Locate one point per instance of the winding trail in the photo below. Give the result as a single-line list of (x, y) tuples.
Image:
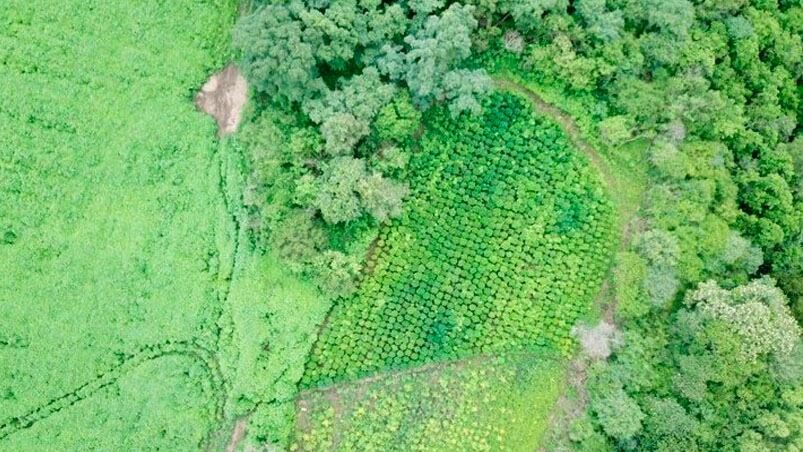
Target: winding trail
[(569, 127), (566, 407), (126, 364)]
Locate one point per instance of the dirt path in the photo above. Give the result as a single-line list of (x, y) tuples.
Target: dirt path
[(569, 128), (387, 374), (237, 435)]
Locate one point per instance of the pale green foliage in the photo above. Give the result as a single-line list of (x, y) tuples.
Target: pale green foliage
[(661, 284), (425, 7), (347, 191), (346, 114), (337, 272), (462, 87), (618, 414), (390, 160), (381, 197), (671, 16), (362, 96), (739, 27), (297, 239), (342, 131), (756, 312), (659, 247), (276, 58), (391, 62), (668, 160), (667, 418), (337, 199), (603, 24), (737, 255), (615, 129), (528, 13)]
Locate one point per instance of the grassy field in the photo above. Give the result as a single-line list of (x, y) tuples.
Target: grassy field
[(134, 315), (110, 186)]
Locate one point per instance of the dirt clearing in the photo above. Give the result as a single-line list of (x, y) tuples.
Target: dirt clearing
[(223, 97)]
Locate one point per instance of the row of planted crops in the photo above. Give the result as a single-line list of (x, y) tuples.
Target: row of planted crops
[(502, 245)]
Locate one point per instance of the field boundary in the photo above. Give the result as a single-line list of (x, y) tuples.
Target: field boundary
[(569, 127), (567, 124)]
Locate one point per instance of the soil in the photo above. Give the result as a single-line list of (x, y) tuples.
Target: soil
[(236, 435), (223, 97)]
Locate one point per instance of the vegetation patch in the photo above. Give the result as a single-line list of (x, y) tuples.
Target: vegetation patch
[(502, 246), (480, 404)]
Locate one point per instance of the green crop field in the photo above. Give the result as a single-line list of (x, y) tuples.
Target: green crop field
[(504, 210), (499, 403), (108, 180)]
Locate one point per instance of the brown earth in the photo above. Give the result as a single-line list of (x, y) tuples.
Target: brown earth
[(223, 97), (237, 435)]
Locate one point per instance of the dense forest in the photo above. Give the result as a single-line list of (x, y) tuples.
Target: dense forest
[(441, 225)]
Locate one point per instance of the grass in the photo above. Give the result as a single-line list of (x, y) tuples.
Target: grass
[(134, 314), (109, 182), (272, 318), (132, 414)]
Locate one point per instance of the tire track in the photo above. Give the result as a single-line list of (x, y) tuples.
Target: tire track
[(126, 364)]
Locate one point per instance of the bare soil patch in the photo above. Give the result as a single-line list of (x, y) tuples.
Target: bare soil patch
[(237, 435), (223, 97)]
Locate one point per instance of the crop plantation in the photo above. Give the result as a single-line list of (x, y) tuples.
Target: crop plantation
[(401, 225), (498, 403), (504, 210)]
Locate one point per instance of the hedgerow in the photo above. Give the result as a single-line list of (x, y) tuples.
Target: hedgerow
[(502, 245)]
